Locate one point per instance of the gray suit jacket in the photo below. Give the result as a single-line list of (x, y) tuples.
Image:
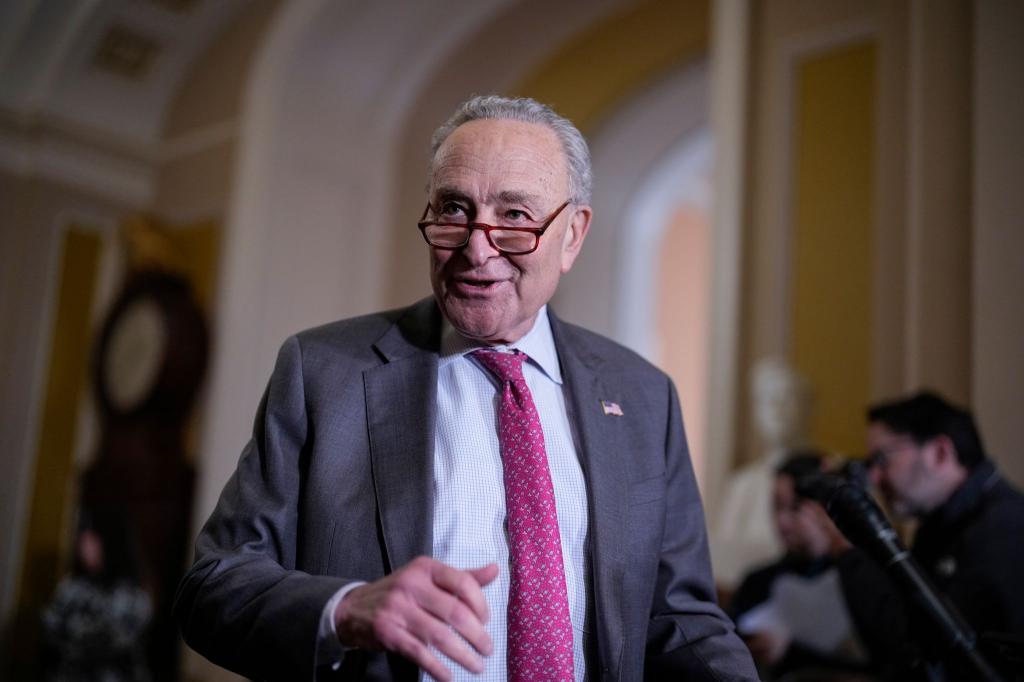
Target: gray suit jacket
[(336, 486)]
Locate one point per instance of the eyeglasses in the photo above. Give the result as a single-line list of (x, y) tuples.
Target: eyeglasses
[(881, 457), (516, 241)]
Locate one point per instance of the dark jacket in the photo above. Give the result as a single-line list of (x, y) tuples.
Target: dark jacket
[(972, 549)]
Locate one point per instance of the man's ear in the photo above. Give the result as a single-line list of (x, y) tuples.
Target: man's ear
[(575, 233), (945, 451)]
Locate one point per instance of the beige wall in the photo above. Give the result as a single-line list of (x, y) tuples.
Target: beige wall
[(938, 263), (202, 124), (997, 319), (682, 304)]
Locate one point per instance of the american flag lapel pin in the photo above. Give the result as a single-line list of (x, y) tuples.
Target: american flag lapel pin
[(611, 408)]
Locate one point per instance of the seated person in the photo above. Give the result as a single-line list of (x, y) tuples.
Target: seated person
[(791, 612), (95, 626)]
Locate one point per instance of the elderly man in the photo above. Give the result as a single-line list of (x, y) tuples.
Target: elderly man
[(468, 486)]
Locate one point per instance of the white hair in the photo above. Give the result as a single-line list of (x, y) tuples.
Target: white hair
[(526, 110)]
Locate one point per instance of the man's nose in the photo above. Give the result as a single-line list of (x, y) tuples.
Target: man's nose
[(478, 250)]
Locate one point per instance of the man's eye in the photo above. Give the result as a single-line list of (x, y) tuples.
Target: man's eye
[(516, 216), (450, 210)]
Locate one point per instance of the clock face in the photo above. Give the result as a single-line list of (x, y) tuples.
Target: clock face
[(135, 354)]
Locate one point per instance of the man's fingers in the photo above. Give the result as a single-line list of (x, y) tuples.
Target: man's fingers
[(485, 574), (464, 585), (413, 648), (439, 635), (425, 604), (460, 602), (449, 609)]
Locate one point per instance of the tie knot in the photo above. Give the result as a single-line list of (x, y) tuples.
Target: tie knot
[(504, 366)]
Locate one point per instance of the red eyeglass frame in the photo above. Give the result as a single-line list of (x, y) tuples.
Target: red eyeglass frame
[(538, 231)]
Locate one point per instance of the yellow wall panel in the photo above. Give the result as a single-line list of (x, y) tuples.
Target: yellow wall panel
[(70, 344), (833, 209)]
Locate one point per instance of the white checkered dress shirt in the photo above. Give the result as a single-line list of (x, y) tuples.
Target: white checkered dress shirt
[(469, 508), (469, 492)]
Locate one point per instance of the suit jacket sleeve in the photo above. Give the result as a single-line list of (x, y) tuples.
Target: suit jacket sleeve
[(243, 604), (689, 637)]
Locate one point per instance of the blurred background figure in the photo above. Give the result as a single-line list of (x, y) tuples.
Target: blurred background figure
[(791, 612), (928, 462), (743, 536), (95, 626)]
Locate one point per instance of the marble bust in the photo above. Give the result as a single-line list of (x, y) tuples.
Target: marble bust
[(742, 535)]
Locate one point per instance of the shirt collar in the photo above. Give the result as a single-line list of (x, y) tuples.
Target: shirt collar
[(538, 344)]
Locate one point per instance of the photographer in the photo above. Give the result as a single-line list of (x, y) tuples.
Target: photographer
[(928, 463), (791, 612)]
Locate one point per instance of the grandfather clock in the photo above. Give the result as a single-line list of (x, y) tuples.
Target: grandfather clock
[(147, 368)]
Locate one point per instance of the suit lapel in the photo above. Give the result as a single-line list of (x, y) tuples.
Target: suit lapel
[(401, 405), (603, 456)]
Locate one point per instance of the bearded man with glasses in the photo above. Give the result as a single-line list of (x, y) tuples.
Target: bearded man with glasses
[(927, 460), (468, 488)]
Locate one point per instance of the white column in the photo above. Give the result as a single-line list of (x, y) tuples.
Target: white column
[(729, 76)]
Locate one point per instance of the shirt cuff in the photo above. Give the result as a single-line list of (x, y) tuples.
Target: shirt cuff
[(329, 650)]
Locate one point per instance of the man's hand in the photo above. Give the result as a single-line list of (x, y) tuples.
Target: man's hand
[(417, 607)]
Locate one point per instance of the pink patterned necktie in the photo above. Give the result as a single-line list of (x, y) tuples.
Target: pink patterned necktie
[(539, 629)]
